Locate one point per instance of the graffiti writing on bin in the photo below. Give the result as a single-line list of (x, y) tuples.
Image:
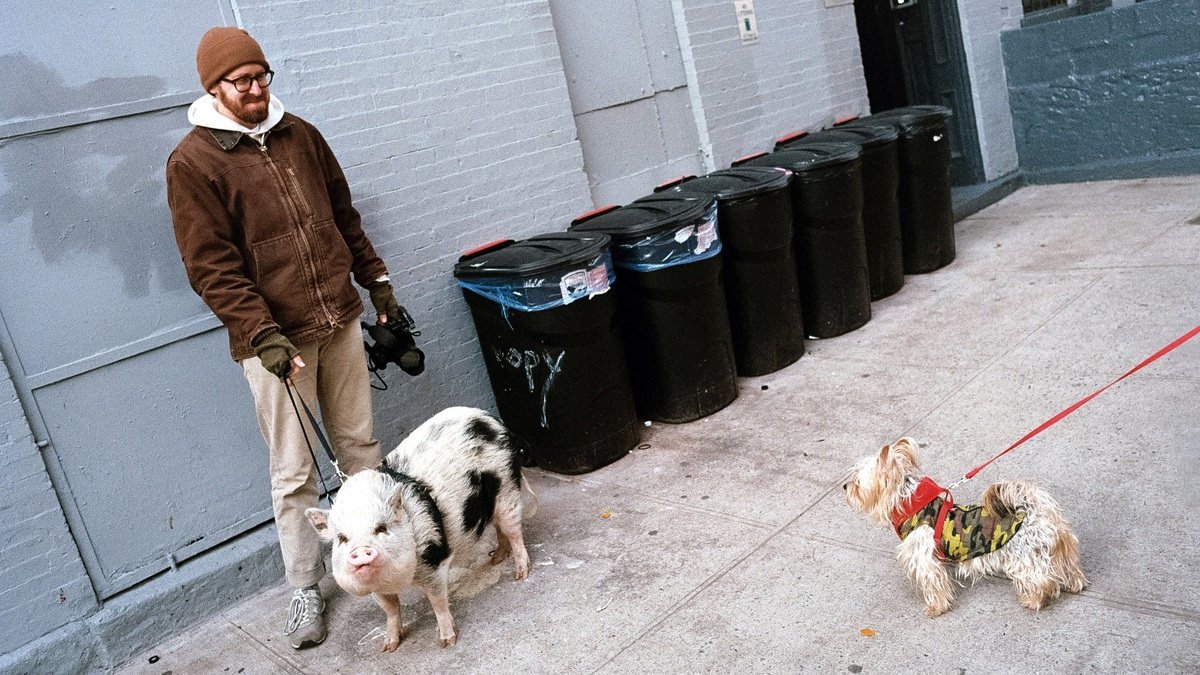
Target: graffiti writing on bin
[(544, 365)]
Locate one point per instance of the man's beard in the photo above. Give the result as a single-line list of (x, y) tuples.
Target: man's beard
[(250, 112)]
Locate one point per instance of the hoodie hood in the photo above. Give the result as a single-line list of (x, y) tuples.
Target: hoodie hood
[(203, 113)]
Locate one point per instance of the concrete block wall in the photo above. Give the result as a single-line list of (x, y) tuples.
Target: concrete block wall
[(44, 584), (982, 23), (1112, 94), (804, 72), (454, 126)]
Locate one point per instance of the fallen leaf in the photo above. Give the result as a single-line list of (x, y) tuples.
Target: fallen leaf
[(867, 632), (605, 515)]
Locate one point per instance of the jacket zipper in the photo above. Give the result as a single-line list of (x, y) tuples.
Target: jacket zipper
[(291, 200)]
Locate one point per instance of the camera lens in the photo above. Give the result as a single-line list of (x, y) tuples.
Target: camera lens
[(412, 362)]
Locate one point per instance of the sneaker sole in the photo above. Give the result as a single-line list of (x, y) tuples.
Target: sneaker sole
[(308, 643)]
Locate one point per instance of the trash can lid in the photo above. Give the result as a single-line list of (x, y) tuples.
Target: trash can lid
[(867, 136), (532, 256), (809, 157), (910, 119), (648, 215), (735, 183)]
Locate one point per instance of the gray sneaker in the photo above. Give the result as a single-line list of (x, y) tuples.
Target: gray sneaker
[(305, 622)]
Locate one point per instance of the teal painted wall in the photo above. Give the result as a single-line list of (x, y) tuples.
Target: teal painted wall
[(1114, 94)]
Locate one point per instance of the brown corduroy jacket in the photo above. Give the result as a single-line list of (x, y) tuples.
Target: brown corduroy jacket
[(268, 234)]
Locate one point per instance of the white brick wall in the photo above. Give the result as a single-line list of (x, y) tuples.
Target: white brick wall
[(43, 576), (804, 72), (454, 127)]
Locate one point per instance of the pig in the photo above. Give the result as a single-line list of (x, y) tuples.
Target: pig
[(432, 497)]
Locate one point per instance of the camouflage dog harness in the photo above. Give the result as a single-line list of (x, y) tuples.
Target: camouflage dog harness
[(960, 532)]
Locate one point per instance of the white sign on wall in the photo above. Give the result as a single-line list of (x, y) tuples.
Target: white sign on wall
[(747, 24)]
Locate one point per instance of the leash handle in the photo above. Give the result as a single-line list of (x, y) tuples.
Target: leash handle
[(312, 419), (1078, 404)]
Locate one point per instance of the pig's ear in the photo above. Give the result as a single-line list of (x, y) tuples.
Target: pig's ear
[(320, 520), (396, 503)]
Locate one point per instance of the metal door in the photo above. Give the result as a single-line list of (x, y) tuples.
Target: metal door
[(913, 54), (145, 424)]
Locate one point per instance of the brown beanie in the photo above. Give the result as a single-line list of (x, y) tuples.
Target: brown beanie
[(222, 50)]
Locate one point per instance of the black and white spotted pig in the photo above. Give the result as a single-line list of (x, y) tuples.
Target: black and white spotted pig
[(433, 497)]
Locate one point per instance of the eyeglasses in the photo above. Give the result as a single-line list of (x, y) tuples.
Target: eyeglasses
[(242, 84)]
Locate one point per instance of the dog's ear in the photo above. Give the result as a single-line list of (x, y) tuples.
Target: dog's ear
[(883, 452), (906, 448)]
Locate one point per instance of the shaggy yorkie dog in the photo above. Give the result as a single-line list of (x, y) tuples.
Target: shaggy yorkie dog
[(1018, 532)]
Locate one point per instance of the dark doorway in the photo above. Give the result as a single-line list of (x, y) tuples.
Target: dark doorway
[(912, 54)]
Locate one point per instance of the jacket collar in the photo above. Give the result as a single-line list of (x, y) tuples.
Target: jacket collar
[(227, 139), (226, 132)]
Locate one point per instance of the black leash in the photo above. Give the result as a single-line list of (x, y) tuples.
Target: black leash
[(320, 437)]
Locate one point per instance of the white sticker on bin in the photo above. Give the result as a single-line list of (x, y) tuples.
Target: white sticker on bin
[(578, 284), (597, 280), (684, 234), (706, 235), (573, 286)]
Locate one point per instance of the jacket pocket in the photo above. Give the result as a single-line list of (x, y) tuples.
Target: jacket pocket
[(334, 262), (279, 274)]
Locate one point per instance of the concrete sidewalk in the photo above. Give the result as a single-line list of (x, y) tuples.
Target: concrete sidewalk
[(725, 545)]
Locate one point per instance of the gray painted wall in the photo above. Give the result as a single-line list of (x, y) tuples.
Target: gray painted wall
[(628, 88), (1108, 95)]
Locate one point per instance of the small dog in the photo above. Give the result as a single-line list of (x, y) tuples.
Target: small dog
[(1018, 532)]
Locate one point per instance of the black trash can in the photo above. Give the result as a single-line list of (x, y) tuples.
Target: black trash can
[(754, 209), (881, 205), (672, 308), (926, 206), (831, 250), (547, 326)]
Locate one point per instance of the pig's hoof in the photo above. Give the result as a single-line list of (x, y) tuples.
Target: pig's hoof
[(520, 564), (449, 641), (497, 557), (392, 643)]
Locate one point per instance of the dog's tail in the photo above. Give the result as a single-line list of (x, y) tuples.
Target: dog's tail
[(1005, 499), (1046, 522)]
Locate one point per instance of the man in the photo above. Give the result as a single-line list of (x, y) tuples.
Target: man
[(270, 240)]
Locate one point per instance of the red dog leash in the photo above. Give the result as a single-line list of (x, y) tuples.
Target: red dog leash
[(1078, 404), (928, 490)]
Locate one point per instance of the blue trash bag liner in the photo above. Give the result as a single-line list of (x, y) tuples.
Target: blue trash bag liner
[(547, 291), (676, 246)]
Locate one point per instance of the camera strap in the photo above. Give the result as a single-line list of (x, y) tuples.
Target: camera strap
[(312, 419)]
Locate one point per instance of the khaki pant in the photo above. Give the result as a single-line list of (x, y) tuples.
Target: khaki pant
[(335, 380)]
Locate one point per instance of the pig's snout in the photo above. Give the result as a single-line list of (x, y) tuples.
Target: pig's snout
[(361, 556)]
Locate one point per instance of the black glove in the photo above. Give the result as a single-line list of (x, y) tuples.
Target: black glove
[(384, 300), (275, 351)]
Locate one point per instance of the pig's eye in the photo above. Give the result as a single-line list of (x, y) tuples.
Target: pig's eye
[(381, 528), (341, 538)]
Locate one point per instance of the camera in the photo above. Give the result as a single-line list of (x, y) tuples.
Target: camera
[(394, 342)]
